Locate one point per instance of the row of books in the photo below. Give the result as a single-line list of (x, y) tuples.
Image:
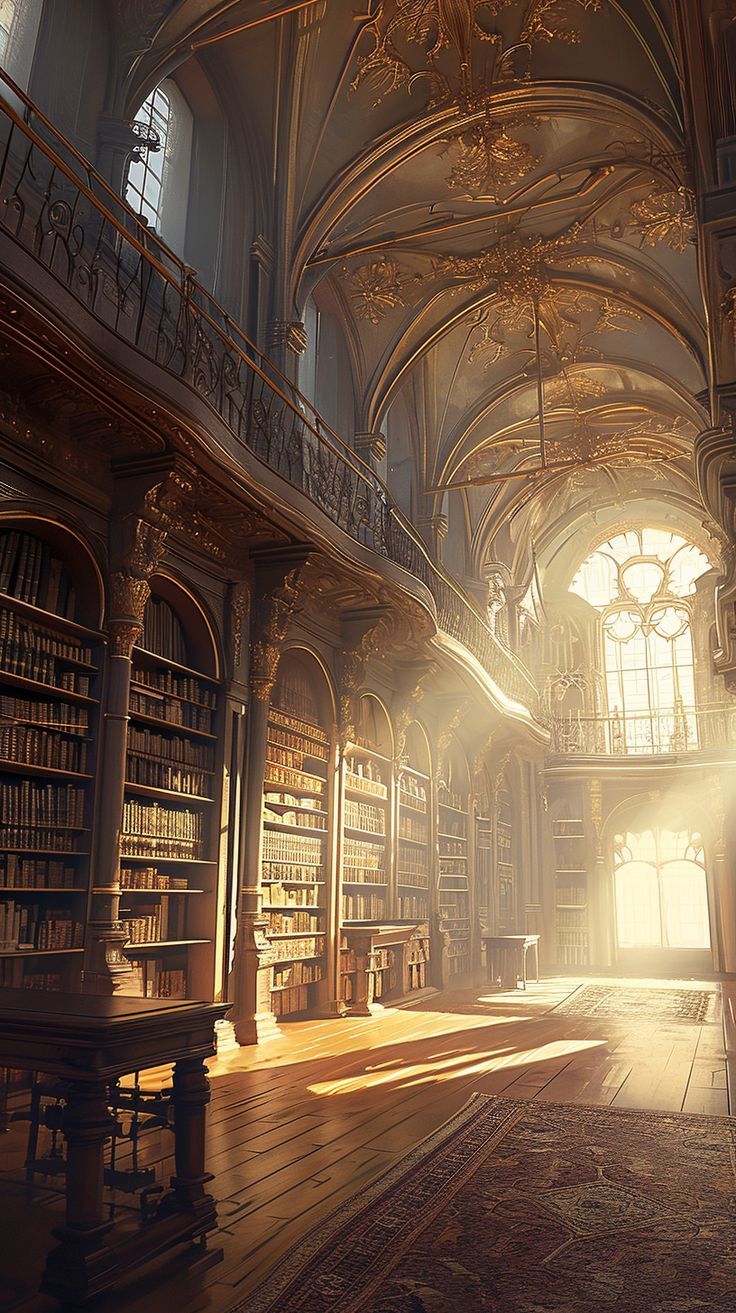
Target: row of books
[(293, 848), (33, 804), (386, 973), (172, 748), (293, 779), (413, 790), (453, 826), (448, 798), (30, 571), (363, 907), (278, 871), (363, 875), (24, 926), (288, 740), (414, 879), (285, 757), (290, 800), (149, 877), (152, 922), (184, 715), (150, 818), (297, 973), (15, 628), (412, 908), (17, 659), (65, 717), (362, 852), (151, 979), (448, 880), (572, 893), (411, 827), (364, 816), (409, 802), (31, 873), (186, 687), (298, 726), (295, 696), (286, 923), (159, 775), (284, 950), (299, 819), (569, 918), (15, 975), (572, 938), (29, 839), (286, 1001), (281, 895), (162, 631), (40, 747), (570, 955), (366, 776), (451, 848), (412, 861), (160, 846)]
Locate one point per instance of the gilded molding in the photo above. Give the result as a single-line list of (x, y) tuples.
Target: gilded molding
[(272, 614)]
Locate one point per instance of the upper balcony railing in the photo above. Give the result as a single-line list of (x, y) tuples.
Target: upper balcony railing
[(56, 207), (662, 733)]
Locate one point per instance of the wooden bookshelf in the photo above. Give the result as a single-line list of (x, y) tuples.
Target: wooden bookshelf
[(295, 838), (169, 835), (51, 659), (412, 883), (454, 878), (571, 891), (505, 860)]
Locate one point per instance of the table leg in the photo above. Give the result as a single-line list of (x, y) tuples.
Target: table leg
[(83, 1265), (536, 962)]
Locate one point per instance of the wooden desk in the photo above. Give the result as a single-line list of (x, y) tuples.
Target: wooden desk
[(87, 1042), (506, 958), (364, 941)]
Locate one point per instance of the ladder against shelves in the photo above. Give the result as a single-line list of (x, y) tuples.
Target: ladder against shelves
[(51, 663), (571, 885), (297, 804), (168, 867), (454, 903)]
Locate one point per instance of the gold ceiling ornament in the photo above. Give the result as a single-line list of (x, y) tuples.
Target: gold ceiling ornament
[(666, 214), (438, 42), (570, 389), (379, 287)]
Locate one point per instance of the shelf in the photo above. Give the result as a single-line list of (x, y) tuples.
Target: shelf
[(282, 827), (365, 795), (459, 810), (49, 726), (297, 934), (289, 807), (287, 723), (43, 889), (571, 870), (49, 619), (307, 884), (453, 838), (170, 725), (41, 825), (289, 908), (366, 884), (37, 952), (153, 658), (279, 765), (50, 690), (418, 843), (379, 840), (354, 748), (166, 793), (8, 767), (157, 857), (45, 852), (170, 893), (166, 693), (571, 907), (153, 945)]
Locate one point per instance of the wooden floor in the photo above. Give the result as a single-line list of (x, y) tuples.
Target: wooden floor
[(299, 1124)]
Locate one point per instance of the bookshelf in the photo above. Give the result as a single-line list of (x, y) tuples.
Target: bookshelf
[(296, 806), (168, 871), (505, 858), (367, 821), (454, 861), (571, 890), (51, 662), (484, 852), (413, 849)]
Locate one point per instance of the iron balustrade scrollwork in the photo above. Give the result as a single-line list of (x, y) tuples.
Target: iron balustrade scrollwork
[(656, 733), (54, 205)]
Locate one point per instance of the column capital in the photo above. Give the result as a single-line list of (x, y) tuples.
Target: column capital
[(370, 446), (289, 334)]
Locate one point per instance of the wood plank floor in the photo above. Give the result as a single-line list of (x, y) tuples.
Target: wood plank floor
[(298, 1125)]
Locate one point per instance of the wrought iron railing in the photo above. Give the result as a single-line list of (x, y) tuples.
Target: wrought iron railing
[(685, 729), (55, 206)]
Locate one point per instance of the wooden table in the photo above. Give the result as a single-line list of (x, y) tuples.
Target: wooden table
[(87, 1042), (506, 958), (365, 939)]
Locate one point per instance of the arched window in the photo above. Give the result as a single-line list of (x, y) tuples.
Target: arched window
[(157, 186), (639, 582), (661, 890), (19, 21)]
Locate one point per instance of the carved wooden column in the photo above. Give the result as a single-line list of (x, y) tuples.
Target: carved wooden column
[(278, 580), (148, 497)]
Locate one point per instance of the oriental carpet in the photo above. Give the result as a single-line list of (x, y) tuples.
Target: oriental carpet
[(610, 1001), (516, 1207)]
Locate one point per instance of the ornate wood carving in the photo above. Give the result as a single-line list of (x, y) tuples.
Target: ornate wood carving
[(278, 593)]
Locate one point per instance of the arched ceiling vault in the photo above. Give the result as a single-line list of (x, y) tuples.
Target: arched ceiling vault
[(491, 200)]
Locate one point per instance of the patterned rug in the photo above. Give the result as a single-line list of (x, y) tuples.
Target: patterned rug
[(693, 1005), (531, 1208)]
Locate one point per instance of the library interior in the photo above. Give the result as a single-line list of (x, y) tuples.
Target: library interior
[(367, 656)]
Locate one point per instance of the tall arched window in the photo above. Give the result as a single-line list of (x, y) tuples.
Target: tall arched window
[(157, 186), (639, 581), (19, 21), (661, 890)]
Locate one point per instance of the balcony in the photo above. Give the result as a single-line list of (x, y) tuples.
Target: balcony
[(667, 733), (56, 210)]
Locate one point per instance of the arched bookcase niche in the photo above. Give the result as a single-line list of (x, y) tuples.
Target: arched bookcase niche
[(367, 816), (485, 893), (168, 867), (506, 856), (571, 891), (453, 836), (413, 896), (51, 666), (296, 855)]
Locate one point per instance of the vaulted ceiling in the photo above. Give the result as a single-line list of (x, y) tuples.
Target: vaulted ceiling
[(492, 199)]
